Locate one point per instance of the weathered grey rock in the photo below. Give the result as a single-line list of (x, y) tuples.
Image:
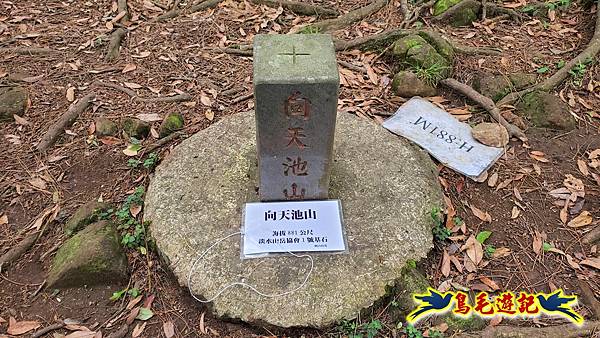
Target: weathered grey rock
[(491, 134), (386, 194), (497, 86), (407, 84), (93, 256), (86, 214), (547, 111), (105, 127), (136, 128), (171, 123), (13, 101)]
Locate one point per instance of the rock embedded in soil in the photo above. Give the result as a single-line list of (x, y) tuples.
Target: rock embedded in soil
[(93, 256), (105, 127), (192, 202), (497, 86), (414, 52), (545, 110), (136, 128), (491, 134), (460, 14), (407, 84), (13, 101), (171, 123), (86, 214)]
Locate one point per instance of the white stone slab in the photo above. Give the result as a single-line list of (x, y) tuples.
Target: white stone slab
[(281, 227), (443, 136)]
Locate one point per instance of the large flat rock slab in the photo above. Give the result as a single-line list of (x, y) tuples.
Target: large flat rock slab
[(387, 187)]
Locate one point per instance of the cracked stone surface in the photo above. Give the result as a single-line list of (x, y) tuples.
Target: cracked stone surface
[(387, 187)]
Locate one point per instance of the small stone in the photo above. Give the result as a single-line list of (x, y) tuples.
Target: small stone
[(522, 80), (491, 134), (86, 214), (171, 123), (547, 111), (407, 84), (493, 86), (136, 128), (417, 53), (105, 127), (93, 256), (13, 101)]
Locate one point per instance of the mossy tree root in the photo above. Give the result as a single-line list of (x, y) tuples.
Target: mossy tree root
[(486, 103), (348, 18), (299, 7), (590, 52)]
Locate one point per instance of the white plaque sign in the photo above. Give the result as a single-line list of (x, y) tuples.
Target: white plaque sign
[(280, 227), (443, 136)]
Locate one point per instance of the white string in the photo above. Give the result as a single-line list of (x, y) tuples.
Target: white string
[(193, 267)]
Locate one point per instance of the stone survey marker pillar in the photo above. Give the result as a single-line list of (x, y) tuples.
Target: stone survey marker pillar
[(296, 85)]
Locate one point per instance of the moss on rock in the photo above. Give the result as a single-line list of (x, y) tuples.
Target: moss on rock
[(136, 128), (105, 127), (91, 257), (13, 101), (171, 123), (441, 6), (86, 214), (547, 111), (407, 84), (472, 323), (462, 13), (441, 45), (415, 53)]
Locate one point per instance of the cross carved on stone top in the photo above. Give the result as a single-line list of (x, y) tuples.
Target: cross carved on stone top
[(293, 54)]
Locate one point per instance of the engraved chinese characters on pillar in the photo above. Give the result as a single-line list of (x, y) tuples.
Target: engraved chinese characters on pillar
[(296, 89)]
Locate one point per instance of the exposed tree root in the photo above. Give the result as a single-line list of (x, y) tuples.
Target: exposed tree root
[(563, 331), (29, 50), (114, 47), (468, 50), (164, 141), (18, 250), (164, 99), (48, 329), (175, 12), (486, 103), (416, 14), (353, 67), (592, 236), (64, 121), (379, 39), (590, 52), (122, 7), (348, 18), (589, 299), (299, 7), (236, 51)]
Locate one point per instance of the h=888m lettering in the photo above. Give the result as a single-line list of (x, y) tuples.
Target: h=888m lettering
[(442, 134)]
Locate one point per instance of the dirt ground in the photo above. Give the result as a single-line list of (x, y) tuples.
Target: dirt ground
[(180, 55)]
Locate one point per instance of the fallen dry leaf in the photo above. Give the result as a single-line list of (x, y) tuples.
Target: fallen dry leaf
[(563, 214), (501, 252), (169, 329), (515, 212), (537, 243), (585, 218), (445, 264), (132, 85), (594, 262), (138, 329), (487, 281), (17, 328), (4, 219), (81, 334), (205, 99), (594, 154), (484, 216), (153, 117), (474, 250), (492, 180), (70, 94), (583, 168), (129, 68), (20, 120)]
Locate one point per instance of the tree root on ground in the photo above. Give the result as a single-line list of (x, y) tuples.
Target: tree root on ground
[(486, 103), (114, 47), (48, 329), (192, 9), (589, 299), (564, 331), (299, 7), (416, 14), (29, 50), (64, 121), (590, 52), (18, 250), (348, 18), (164, 99), (122, 7), (164, 141), (120, 333)]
